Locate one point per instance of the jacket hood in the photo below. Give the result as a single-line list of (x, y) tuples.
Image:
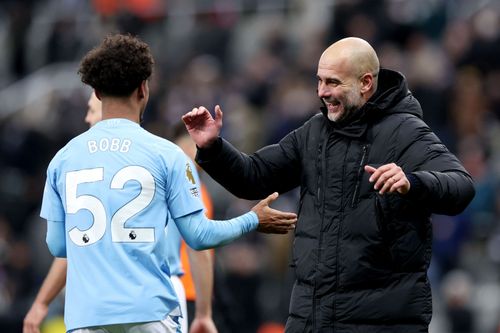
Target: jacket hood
[(392, 89)]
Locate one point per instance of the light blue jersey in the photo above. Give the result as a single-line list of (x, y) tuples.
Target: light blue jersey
[(174, 250), (113, 187)]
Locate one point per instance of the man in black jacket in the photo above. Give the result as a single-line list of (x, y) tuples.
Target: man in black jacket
[(371, 173)]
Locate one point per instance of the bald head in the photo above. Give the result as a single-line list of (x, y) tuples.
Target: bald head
[(355, 54)]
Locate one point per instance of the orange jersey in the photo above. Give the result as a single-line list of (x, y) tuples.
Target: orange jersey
[(187, 278)]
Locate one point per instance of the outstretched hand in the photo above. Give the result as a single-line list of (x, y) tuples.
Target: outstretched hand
[(202, 127), (388, 178), (272, 221)]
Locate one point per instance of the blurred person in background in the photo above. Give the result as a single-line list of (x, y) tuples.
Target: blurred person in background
[(196, 269), (148, 180), (371, 174)]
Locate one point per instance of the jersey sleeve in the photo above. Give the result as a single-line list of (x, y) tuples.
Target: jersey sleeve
[(52, 205), (184, 193), (201, 233), (56, 240)]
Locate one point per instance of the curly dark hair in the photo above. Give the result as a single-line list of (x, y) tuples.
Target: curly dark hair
[(117, 66)]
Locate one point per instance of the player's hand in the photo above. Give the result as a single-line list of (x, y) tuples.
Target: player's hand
[(34, 318), (202, 127), (388, 178), (202, 325), (272, 221)]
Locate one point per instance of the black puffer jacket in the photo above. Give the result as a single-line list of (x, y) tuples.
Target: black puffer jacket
[(360, 258)]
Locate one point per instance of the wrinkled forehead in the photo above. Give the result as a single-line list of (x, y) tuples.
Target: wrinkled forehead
[(334, 66)]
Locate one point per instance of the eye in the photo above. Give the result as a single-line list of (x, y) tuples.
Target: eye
[(332, 82)]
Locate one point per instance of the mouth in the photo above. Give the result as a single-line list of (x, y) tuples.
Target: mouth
[(332, 106)]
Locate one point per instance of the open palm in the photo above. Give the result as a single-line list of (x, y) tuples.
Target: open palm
[(202, 127)]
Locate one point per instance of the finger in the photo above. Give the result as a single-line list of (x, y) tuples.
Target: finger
[(395, 187), (379, 171), (195, 113), (282, 215), (287, 215), (385, 182), (385, 187), (218, 115), (370, 169), (386, 177), (283, 229), (188, 117), (204, 110), (270, 198)]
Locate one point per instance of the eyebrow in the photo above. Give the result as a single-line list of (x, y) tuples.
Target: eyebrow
[(329, 79)]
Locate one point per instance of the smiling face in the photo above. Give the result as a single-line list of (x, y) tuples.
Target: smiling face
[(346, 76), (339, 90)]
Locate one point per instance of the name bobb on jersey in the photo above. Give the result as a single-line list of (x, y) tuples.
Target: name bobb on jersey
[(112, 145)]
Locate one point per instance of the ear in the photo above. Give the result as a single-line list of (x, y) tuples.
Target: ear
[(367, 81), (141, 90)]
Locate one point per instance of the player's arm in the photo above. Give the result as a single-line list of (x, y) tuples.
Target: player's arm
[(201, 264), (56, 238), (53, 211), (51, 287), (201, 233)]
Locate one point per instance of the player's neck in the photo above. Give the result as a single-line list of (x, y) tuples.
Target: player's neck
[(120, 108)]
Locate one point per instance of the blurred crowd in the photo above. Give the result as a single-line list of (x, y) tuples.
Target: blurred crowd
[(257, 59)]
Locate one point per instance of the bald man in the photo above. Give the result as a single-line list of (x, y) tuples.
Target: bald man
[(371, 173)]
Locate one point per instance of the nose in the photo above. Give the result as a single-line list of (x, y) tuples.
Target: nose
[(323, 90)]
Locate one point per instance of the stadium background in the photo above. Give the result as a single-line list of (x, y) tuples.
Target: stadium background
[(257, 58)]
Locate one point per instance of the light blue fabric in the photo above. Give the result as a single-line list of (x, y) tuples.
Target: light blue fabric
[(112, 188), (174, 249), (201, 233)]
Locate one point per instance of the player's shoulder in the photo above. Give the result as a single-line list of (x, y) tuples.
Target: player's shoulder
[(162, 144), (65, 150)]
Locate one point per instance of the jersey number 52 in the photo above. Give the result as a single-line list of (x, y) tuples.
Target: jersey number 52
[(119, 233)]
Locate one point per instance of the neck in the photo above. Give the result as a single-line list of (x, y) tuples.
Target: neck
[(115, 107)]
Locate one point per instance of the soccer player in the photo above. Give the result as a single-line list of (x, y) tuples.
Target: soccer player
[(199, 263), (109, 194)]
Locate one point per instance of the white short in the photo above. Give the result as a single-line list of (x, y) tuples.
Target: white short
[(181, 296), (167, 325)]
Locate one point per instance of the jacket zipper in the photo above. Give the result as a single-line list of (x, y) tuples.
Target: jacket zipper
[(321, 196), (341, 219), (358, 176)]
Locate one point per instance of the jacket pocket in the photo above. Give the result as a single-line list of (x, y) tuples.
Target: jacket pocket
[(405, 230)]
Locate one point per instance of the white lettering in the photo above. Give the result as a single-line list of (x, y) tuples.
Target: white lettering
[(92, 146), (125, 146), (115, 144), (105, 144)]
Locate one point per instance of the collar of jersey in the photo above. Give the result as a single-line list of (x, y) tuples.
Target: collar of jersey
[(114, 122)]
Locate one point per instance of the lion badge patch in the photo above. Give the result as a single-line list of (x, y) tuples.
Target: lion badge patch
[(190, 177), (189, 174)]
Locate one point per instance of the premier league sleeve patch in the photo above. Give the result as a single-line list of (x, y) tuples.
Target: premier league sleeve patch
[(190, 178)]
